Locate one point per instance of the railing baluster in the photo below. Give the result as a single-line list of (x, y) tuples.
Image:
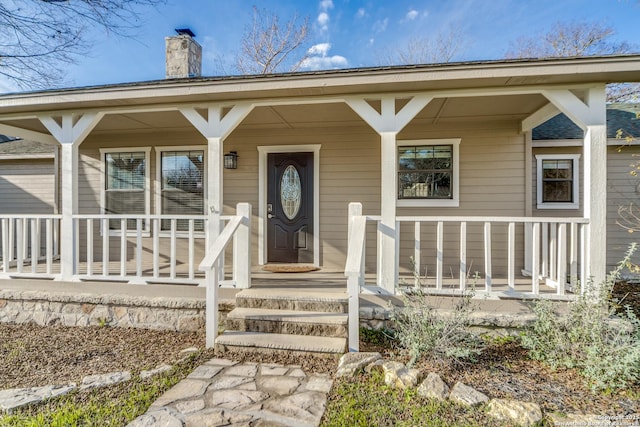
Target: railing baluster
[(89, 247), (105, 247), (172, 268), (573, 256), (584, 257), (35, 245), (487, 257), (5, 245), (439, 254), (511, 267), (535, 264), (123, 247), (191, 249), (544, 267), (19, 244), (25, 239), (553, 246), (49, 244), (12, 238), (416, 254), (156, 247), (463, 256), (562, 257), (139, 247)]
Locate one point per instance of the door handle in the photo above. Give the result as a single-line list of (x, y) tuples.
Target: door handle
[(270, 216)]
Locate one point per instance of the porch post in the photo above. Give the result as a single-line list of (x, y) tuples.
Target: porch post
[(595, 199), (590, 114), (388, 122), (69, 133), (388, 256)]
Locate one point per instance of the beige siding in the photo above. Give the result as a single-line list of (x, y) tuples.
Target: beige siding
[(491, 182), (27, 186), (622, 191)]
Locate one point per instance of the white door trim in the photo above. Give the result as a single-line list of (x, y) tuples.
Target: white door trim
[(262, 195)]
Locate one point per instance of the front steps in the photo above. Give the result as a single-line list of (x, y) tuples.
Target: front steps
[(287, 320)]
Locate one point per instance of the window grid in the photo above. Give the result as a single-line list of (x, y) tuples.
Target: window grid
[(425, 172)]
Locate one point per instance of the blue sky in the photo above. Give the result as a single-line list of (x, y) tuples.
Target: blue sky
[(345, 33)]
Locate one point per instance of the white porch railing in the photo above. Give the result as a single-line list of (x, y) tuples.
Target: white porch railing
[(30, 244), (238, 228), (137, 248)]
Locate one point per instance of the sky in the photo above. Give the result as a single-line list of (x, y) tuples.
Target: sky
[(344, 33)]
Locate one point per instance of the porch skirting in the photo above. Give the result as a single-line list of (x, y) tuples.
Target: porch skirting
[(68, 309)]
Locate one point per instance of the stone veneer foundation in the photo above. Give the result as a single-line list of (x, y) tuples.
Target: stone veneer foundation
[(67, 309)]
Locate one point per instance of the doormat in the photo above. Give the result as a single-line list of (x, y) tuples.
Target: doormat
[(290, 268)]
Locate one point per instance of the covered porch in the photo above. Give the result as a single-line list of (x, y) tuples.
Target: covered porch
[(472, 220)]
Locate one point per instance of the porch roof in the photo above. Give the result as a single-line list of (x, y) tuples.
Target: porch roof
[(564, 72)]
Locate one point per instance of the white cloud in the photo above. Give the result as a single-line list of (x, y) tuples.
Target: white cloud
[(320, 49), (361, 13), (381, 26), (324, 62), (326, 5), (320, 59), (411, 15), (323, 21)]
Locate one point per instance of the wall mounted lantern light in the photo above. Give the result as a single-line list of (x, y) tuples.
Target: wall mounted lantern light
[(231, 160)]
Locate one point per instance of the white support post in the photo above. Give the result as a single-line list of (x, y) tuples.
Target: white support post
[(388, 255), (211, 313), (70, 131), (354, 284), (388, 122), (595, 200), (242, 248)]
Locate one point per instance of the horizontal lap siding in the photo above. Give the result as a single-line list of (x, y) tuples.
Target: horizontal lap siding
[(27, 186), (623, 191), (492, 180)]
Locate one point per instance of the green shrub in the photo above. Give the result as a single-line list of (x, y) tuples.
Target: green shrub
[(424, 332), (603, 346)]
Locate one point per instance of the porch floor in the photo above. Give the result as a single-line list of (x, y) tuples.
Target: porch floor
[(320, 281)]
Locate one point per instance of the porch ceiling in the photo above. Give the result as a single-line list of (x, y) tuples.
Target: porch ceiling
[(440, 110)]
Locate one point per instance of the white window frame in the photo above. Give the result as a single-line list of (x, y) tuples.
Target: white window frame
[(454, 202), (158, 186), (146, 227), (575, 159)]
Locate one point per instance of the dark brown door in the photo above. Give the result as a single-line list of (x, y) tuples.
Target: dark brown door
[(290, 207)]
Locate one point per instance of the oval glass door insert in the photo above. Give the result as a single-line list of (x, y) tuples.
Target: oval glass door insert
[(290, 192)]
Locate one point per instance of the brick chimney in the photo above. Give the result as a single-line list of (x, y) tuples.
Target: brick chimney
[(184, 55)]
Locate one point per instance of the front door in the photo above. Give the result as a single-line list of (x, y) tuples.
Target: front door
[(290, 207)]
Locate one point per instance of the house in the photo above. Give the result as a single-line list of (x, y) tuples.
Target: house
[(440, 157)]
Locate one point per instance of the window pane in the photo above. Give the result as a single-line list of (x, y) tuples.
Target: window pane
[(125, 186), (557, 191), (424, 172), (182, 186), (125, 171)]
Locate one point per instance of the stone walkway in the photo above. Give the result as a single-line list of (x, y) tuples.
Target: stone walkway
[(226, 393)]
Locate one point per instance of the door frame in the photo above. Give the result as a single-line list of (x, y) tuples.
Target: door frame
[(263, 152)]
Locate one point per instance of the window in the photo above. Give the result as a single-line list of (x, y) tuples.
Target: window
[(182, 186), (427, 173), (125, 185), (557, 181)]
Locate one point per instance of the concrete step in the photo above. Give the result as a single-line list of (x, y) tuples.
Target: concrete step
[(296, 344), (288, 322), (293, 299)]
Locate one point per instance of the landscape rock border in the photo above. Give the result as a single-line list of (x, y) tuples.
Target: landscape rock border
[(397, 375)]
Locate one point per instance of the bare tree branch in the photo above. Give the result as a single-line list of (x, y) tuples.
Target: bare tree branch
[(40, 37), (424, 50), (269, 46), (569, 39)]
